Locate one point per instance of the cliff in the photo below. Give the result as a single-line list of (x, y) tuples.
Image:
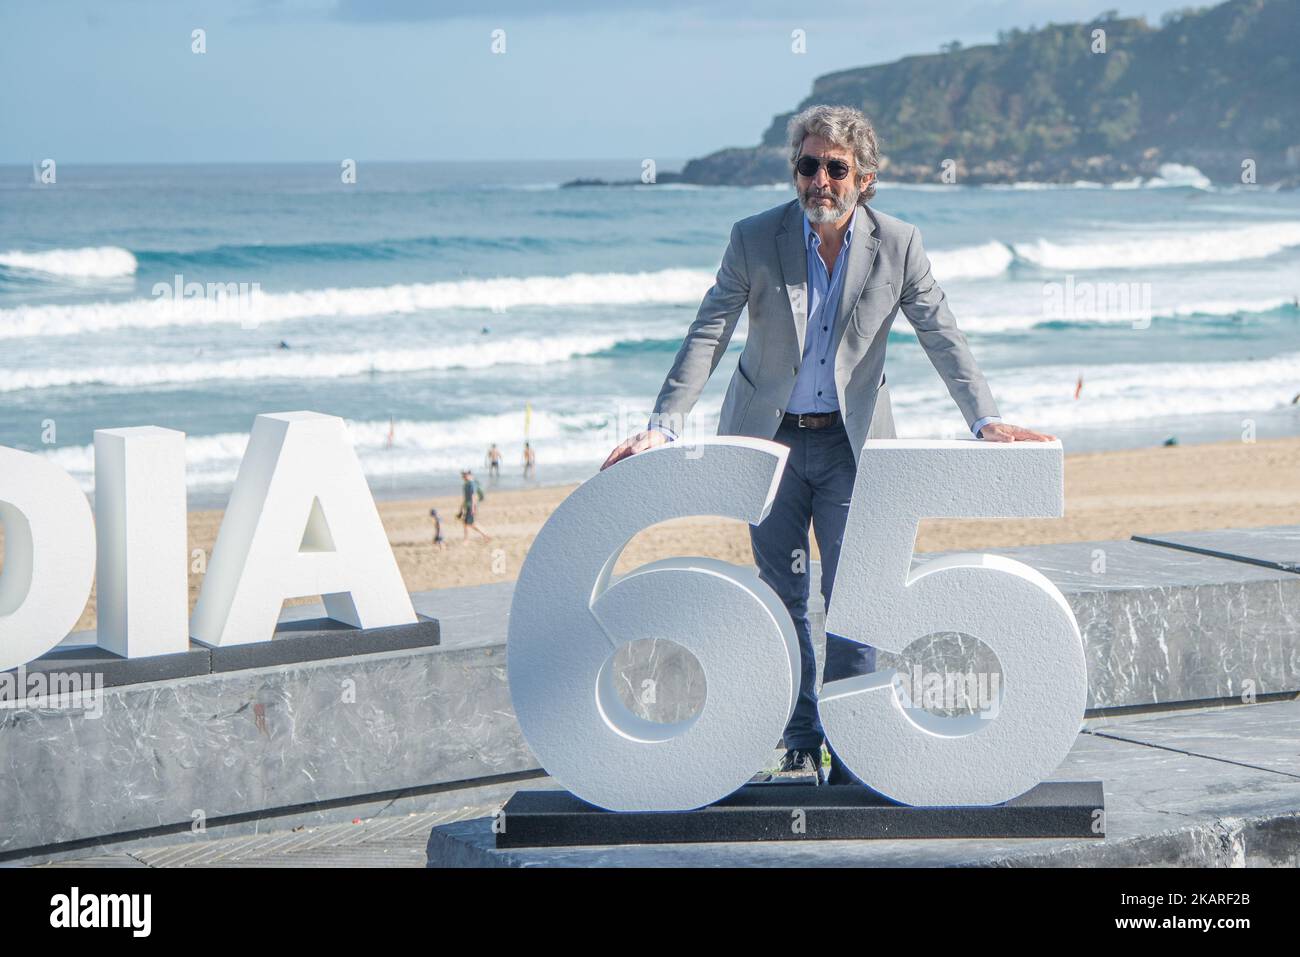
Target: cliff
[(1210, 88)]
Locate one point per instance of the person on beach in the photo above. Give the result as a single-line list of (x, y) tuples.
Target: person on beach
[(438, 540), (494, 461), (824, 277), (470, 490), (530, 461)]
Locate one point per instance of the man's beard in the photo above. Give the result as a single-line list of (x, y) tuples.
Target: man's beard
[(817, 213)]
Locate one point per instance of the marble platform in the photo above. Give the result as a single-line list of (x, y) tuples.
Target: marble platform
[(1202, 788), (174, 754), (1215, 787), (1162, 627)]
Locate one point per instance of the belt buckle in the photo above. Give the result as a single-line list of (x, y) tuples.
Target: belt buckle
[(800, 421)]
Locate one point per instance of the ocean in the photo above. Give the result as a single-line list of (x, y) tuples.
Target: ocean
[(438, 307)]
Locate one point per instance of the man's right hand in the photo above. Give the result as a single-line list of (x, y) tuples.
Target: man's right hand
[(638, 443)]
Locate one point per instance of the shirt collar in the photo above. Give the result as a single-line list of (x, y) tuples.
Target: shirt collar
[(811, 240)]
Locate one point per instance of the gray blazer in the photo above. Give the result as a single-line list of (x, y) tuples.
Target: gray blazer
[(765, 268)]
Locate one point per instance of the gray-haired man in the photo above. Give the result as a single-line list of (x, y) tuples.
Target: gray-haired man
[(823, 276)]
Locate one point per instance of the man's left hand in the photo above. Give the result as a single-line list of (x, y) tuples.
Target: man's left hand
[(1003, 432)]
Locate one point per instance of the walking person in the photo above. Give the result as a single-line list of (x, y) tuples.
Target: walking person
[(438, 540), (471, 495)]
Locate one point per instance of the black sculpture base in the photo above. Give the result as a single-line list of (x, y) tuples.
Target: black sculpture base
[(312, 639), (801, 812)]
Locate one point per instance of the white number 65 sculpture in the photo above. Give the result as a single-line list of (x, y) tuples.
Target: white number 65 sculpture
[(567, 621)]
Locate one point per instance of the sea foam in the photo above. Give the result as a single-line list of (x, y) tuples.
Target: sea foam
[(92, 262)]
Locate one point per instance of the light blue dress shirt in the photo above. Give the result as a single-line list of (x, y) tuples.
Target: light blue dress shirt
[(814, 386)]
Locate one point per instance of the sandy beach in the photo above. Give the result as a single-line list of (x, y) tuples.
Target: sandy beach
[(1108, 495)]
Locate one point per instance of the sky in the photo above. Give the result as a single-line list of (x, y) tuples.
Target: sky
[(118, 81)]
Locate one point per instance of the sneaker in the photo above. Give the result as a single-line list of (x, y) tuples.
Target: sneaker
[(801, 762)]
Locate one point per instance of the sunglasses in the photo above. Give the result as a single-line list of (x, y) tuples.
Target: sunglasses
[(809, 165)]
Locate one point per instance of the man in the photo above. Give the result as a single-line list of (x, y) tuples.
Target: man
[(824, 277)]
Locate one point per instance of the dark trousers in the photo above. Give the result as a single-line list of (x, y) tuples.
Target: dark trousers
[(815, 488)]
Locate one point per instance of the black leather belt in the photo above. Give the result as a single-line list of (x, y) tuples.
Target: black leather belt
[(812, 420)]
